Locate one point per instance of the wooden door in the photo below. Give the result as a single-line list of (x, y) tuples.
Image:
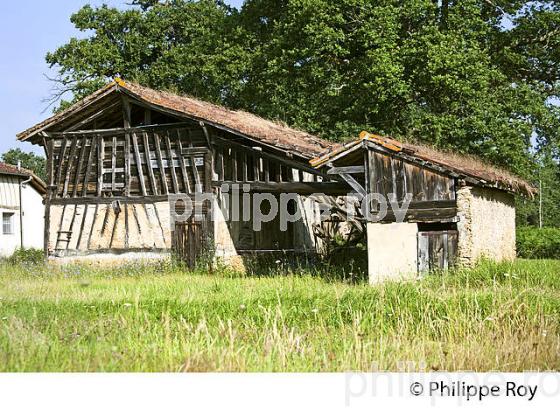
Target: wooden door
[(437, 250), (190, 241)]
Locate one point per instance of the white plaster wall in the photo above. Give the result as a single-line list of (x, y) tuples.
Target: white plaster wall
[(9, 242), (148, 228), (32, 217), (486, 225), (392, 250)]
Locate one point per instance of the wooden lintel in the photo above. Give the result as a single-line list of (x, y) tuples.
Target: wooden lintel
[(304, 188), (357, 169)]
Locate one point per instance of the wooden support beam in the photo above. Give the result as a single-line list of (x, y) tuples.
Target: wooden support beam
[(206, 133), (100, 157), (184, 173), (69, 167), (196, 176), (354, 184), (113, 162), (61, 158), (171, 164), (121, 130), (138, 164), (92, 117), (160, 164), (207, 173), (79, 168), (126, 112), (149, 163), (234, 164), (149, 199), (127, 164), (244, 166), (48, 196), (303, 188), (88, 165), (357, 169)]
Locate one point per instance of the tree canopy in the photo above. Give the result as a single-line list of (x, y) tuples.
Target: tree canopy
[(29, 160), (475, 76)]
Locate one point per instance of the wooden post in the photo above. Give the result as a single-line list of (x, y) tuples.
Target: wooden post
[(126, 124), (100, 157)]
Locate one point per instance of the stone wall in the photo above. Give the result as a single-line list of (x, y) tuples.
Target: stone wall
[(486, 225)]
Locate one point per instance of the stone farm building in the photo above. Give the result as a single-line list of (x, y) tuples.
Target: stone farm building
[(115, 158)]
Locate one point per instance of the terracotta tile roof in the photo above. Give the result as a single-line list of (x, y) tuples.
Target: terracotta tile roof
[(36, 182), (240, 122), (469, 167)]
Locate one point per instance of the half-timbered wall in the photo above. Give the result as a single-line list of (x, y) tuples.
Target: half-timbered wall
[(143, 162), (109, 188)]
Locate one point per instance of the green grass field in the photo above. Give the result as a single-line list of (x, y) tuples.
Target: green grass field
[(503, 317)]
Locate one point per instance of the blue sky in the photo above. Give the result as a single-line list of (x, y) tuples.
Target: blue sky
[(28, 30)]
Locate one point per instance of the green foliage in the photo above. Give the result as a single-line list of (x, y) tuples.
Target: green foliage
[(547, 179), (538, 243), (26, 257), (29, 160), (157, 317), (475, 76)]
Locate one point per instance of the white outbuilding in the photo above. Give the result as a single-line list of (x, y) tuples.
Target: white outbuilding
[(21, 209)]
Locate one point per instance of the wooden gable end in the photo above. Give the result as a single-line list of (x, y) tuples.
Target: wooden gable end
[(391, 174)]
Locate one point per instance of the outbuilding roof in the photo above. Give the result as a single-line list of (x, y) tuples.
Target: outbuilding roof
[(461, 166), (242, 123), (36, 182)]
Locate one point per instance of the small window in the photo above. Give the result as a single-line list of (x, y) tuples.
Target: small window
[(8, 223)]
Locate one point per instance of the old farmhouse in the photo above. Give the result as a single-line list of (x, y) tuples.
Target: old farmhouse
[(116, 158)]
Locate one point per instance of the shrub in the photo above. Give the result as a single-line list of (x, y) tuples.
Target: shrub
[(27, 256), (535, 243)]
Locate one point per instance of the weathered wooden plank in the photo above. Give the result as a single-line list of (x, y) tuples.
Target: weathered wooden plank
[(61, 159), (139, 164), (244, 165), (333, 188), (355, 169), (354, 184), (149, 163), (197, 181), (113, 162), (165, 188), (92, 149), (100, 156), (423, 215), (184, 173), (170, 163), (69, 167), (207, 172), (79, 168)]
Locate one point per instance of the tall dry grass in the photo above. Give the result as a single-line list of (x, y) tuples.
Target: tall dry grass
[(159, 318)]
